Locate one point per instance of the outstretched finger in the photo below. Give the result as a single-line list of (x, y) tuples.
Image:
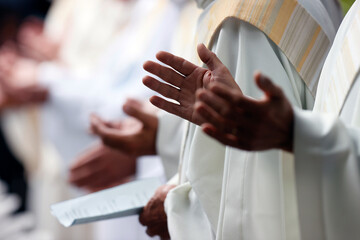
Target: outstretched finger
[(109, 136), (215, 102), (165, 73), (208, 57), (164, 89), (224, 138), (167, 106), (223, 91), (109, 124), (95, 121), (134, 109), (179, 64), (209, 115), (234, 97), (266, 85)]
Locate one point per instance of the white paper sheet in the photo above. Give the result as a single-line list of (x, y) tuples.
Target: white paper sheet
[(124, 200)]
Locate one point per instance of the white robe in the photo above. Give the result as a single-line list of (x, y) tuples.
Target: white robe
[(105, 90), (228, 193), (326, 150), (66, 117), (118, 76), (84, 29)]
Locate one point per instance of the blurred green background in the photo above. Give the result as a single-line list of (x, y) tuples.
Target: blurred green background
[(346, 4)]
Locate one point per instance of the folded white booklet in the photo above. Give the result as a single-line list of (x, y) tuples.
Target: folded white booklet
[(124, 200)]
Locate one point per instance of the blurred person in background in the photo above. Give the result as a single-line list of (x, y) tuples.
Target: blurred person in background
[(53, 42), (12, 14), (75, 93), (11, 169)]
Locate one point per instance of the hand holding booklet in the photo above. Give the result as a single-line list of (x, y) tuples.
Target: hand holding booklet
[(121, 201)]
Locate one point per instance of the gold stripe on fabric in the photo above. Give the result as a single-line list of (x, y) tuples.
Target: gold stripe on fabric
[(282, 20), (252, 11), (307, 52), (277, 19), (270, 15), (263, 11), (256, 13)]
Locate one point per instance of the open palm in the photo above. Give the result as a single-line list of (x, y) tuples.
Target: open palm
[(182, 80)]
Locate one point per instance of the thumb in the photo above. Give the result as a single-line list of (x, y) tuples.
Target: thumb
[(267, 86), (134, 109), (208, 57)]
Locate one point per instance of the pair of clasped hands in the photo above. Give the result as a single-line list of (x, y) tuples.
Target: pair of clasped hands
[(208, 97)]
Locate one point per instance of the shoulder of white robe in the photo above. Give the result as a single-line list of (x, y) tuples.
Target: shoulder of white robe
[(303, 30)]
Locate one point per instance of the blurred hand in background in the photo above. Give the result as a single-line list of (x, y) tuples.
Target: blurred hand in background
[(135, 135), (101, 167)]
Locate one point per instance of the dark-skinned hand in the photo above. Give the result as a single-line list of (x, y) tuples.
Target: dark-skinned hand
[(135, 135), (154, 216), (183, 79), (101, 167), (246, 123)]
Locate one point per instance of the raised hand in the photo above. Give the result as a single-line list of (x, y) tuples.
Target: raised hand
[(135, 136), (154, 216), (183, 79), (245, 123), (100, 168)]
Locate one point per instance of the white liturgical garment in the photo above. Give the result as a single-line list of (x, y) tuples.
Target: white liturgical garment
[(326, 147), (226, 193), (118, 76)]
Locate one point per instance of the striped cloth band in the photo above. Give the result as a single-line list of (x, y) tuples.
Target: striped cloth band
[(285, 22), (343, 71)]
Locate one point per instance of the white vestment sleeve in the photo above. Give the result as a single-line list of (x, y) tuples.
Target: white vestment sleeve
[(174, 180), (327, 174)]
